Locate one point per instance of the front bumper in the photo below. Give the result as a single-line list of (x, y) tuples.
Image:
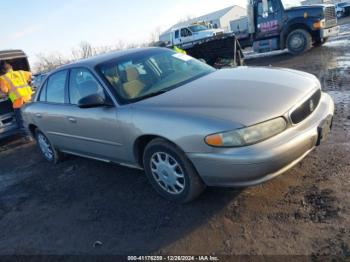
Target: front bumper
[(328, 32), (252, 165), (8, 125)]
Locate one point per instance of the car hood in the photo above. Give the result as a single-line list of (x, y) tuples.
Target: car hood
[(307, 7), (312, 10), (244, 95)]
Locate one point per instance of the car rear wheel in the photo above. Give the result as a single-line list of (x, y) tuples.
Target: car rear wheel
[(170, 172), (46, 148), (299, 41)]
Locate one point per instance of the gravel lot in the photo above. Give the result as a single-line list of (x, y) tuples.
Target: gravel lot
[(66, 208)]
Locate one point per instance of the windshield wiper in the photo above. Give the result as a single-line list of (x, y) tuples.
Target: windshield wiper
[(157, 93)]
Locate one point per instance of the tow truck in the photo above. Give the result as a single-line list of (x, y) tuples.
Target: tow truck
[(276, 25), (212, 46)]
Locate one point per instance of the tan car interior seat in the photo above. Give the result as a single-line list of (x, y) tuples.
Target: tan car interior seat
[(133, 86)]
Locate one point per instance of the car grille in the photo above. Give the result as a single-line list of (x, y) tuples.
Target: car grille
[(5, 107), (306, 109), (330, 16)]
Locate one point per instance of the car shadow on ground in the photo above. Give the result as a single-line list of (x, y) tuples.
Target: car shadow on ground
[(78, 202), (10, 142), (267, 59)]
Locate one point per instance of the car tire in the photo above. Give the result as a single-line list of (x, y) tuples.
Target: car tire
[(299, 41), (46, 148), (171, 173)]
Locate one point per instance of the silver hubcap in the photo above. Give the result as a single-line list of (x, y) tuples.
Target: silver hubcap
[(45, 147), (168, 173), (297, 42)]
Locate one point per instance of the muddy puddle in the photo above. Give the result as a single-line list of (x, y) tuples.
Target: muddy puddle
[(341, 97)]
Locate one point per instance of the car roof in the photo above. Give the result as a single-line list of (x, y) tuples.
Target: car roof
[(95, 60)]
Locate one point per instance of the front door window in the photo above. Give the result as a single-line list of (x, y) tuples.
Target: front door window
[(82, 84)]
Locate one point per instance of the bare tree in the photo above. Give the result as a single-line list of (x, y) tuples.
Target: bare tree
[(154, 37), (84, 50), (186, 19), (120, 45), (49, 62)]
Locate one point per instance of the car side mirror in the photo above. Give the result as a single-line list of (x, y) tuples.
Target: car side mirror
[(92, 101)]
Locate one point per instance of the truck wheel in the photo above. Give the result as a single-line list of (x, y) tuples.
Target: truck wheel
[(170, 172), (339, 14), (299, 41)]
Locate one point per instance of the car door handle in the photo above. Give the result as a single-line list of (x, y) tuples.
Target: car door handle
[(72, 120), (38, 115)]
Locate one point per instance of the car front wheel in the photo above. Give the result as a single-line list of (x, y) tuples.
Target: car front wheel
[(46, 148), (170, 172)]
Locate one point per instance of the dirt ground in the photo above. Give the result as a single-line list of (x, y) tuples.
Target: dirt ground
[(66, 208)]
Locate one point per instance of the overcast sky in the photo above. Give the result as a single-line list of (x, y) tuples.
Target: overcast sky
[(41, 26)]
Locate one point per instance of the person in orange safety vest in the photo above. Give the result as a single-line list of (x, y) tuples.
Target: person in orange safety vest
[(15, 84)]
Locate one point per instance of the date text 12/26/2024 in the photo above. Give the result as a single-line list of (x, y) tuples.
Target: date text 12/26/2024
[(173, 258)]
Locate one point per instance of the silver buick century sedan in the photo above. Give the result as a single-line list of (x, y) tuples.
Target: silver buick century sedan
[(186, 124)]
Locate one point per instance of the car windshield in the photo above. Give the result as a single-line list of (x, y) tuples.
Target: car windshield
[(197, 28), (291, 3), (150, 73)]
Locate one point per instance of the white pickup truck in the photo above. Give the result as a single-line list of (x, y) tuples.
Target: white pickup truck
[(342, 9), (188, 34)]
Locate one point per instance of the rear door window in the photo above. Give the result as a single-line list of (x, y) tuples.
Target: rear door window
[(55, 89)]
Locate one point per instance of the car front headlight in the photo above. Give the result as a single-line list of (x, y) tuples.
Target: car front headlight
[(249, 135), (320, 24)]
